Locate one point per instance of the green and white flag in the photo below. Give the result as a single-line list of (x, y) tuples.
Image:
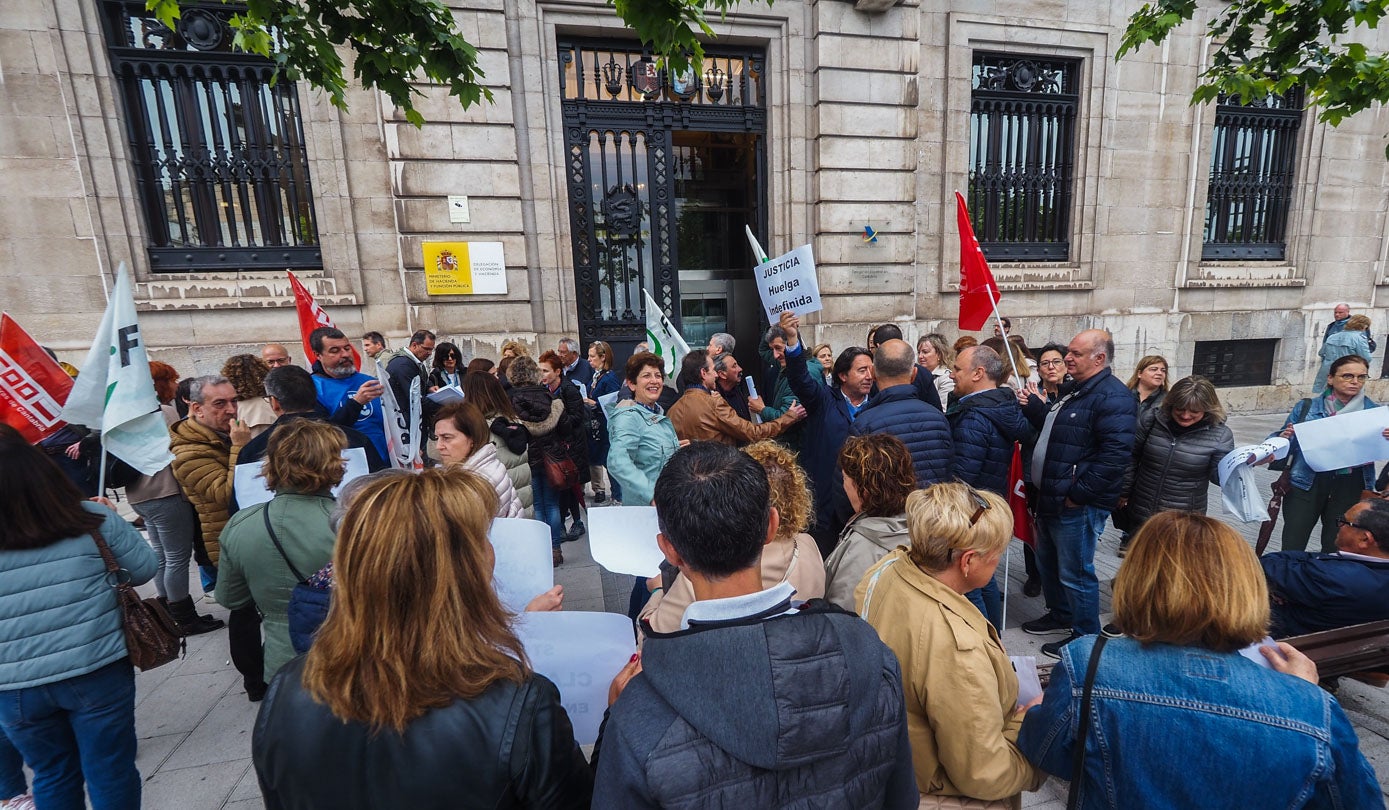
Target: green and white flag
[(665, 341), (115, 394)]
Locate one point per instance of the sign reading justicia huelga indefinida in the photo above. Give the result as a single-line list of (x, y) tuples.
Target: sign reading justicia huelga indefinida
[(789, 282)]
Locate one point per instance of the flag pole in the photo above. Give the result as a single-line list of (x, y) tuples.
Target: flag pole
[(757, 251), (101, 474), (1007, 558)]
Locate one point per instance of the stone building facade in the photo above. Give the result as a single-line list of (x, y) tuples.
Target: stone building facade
[(849, 115)]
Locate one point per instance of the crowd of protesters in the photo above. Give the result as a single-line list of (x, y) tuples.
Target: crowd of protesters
[(825, 629)]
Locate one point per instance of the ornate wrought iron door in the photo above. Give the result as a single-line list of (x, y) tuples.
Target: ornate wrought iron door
[(619, 112)]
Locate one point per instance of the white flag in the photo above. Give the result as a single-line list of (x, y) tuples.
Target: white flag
[(115, 394), (666, 343), (402, 435)]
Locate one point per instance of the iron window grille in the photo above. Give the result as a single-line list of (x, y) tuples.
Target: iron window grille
[(217, 144), (1253, 163), (1022, 155), (1230, 363)]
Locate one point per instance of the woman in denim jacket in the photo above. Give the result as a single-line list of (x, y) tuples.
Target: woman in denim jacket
[(1179, 717)]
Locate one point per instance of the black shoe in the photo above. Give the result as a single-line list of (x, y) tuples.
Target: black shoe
[(575, 532), (600, 496), (1032, 587), (189, 622), (1054, 648), (255, 692), (1046, 625)]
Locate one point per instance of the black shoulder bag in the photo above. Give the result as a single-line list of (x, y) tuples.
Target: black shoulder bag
[(1078, 755)]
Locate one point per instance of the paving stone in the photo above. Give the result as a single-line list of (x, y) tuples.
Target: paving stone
[(223, 735), (192, 787)]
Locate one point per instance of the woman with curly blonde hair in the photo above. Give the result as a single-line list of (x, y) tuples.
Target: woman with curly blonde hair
[(246, 373), (878, 477), (514, 348), (792, 556)]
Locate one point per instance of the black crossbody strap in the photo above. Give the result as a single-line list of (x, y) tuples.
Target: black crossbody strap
[(1078, 757), (276, 540)]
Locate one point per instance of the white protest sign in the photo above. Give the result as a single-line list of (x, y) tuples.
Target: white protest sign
[(580, 653), (249, 480), (523, 568), (1344, 440), (789, 282), (623, 539), (1239, 488)]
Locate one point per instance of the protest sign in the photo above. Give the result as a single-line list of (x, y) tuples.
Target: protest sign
[(33, 387), (249, 479), (1239, 488), (580, 653), (623, 540), (523, 569), (1346, 440), (789, 282)]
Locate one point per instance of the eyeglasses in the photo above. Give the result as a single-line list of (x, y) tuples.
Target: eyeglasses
[(981, 506), (1353, 377), (1340, 521), (1048, 363)]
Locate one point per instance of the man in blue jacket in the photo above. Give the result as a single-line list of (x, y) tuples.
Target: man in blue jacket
[(896, 411), (830, 413), (347, 395), (1313, 592), (759, 700), (1084, 446)]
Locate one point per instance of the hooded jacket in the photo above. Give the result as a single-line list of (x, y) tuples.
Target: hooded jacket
[(816, 719), (641, 442), (485, 462), (985, 425), (897, 411), (546, 419), (205, 466), (866, 539), (510, 440)]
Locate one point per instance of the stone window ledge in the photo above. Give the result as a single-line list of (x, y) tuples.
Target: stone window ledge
[(1023, 276), (1243, 274), (234, 290)]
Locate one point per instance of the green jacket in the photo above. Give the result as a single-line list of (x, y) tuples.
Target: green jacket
[(252, 569), (641, 442), (778, 400)]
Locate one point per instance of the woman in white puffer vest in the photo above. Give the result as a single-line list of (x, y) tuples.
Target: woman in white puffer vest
[(463, 438)]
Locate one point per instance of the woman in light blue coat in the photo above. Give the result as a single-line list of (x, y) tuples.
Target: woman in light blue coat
[(641, 437), (67, 689), (1346, 342)]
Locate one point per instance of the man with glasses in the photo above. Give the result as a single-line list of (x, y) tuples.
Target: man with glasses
[(1312, 592), (1077, 467), (275, 355)]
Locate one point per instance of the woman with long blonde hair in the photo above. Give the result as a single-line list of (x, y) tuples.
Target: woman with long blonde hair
[(416, 673)]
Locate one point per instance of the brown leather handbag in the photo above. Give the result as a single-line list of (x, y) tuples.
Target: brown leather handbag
[(152, 639)]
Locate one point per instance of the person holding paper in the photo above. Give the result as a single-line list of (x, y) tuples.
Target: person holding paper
[(463, 439), (417, 671), (702, 415), (1179, 718), (1325, 496), (269, 548), (963, 715), (1314, 592)]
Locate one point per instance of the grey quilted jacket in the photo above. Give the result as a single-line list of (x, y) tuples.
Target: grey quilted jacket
[(1172, 466), (799, 711)]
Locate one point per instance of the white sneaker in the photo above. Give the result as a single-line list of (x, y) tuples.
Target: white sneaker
[(210, 597), (25, 802)]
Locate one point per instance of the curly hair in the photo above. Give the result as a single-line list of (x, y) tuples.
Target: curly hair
[(523, 371), (881, 468), (246, 373), (516, 347), (790, 488)]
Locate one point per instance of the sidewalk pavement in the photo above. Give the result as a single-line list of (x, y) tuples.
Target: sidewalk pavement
[(194, 721)]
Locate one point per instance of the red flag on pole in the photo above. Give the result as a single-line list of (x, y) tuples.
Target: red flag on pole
[(311, 317), (1017, 500), (33, 387), (978, 292)]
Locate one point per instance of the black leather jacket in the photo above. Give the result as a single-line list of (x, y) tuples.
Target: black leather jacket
[(512, 746)]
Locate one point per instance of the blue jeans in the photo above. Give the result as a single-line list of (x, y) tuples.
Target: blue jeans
[(83, 727), (12, 781), (989, 600), (1066, 560), (547, 506)]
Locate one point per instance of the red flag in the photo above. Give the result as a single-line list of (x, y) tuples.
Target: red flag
[(33, 387), (311, 317), (1017, 500), (978, 291)]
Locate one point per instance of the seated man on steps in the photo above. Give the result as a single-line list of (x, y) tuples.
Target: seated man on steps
[(1313, 592)]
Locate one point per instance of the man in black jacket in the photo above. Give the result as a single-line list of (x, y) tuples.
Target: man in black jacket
[(576, 368), (406, 367), (896, 410), (757, 701), (1313, 592)]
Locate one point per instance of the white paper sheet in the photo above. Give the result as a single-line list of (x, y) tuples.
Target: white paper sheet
[(608, 402), (1252, 651), (447, 394), (249, 481), (523, 568), (1029, 684), (1347, 440), (581, 653), (1239, 486), (623, 539), (789, 282)]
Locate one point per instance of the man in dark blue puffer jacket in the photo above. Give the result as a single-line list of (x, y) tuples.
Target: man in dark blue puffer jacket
[(896, 411), (985, 422), (1084, 446)]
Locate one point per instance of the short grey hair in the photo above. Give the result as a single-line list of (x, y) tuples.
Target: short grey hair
[(722, 360), (569, 345), (893, 359), (987, 359), (773, 333), (724, 341), (195, 388)]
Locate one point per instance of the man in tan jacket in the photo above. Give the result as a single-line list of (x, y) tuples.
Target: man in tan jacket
[(701, 415), (205, 446)]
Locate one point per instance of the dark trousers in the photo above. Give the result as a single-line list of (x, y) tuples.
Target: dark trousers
[(243, 636), (1329, 498)]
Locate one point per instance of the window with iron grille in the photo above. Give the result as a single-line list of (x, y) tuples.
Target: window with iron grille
[(1230, 363), (1022, 155), (218, 147), (1253, 163)]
